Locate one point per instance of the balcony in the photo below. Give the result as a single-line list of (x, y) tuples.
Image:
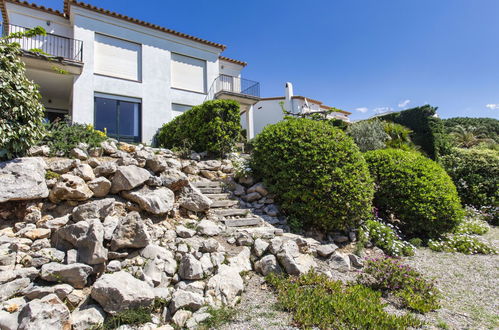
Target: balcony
[(52, 45), (229, 87)]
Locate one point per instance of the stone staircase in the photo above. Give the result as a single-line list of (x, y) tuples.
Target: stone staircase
[(225, 208)]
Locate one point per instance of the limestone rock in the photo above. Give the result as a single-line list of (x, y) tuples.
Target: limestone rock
[(174, 179), (11, 288), (339, 261), (128, 177), (259, 188), (78, 154), (121, 291), (48, 313), (98, 209), (268, 264), (131, 232), (74, 274), (208, 228), (326, 250), (180, 318), (193, 199), (100, 186), (91, 249), (224, 287), (84, 171), (70, 187), (22, 179), (106, 169), (87, 318), (182, 299), (155, 201), (190, 268), (62, 166)]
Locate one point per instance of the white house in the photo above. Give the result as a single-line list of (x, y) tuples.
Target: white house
[(269, 111), (122, 74)]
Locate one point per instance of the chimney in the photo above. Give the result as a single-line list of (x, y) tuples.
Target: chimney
[(289, 91)]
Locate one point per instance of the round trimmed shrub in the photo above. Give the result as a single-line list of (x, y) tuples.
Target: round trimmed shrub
[(316, 171), (476, 175), (415, 190)]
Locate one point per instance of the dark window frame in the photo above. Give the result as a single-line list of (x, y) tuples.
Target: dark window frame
[(119, 137)]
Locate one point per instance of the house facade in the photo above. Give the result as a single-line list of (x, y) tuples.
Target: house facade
[(120, 74), (269, 110)]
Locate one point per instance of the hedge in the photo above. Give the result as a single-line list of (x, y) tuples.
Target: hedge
[(414, 190), (316, 171), (476, 175), (428, 131), (213, 126)]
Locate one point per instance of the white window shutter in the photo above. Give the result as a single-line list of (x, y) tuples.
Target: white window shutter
[(117, 58), (188, 73)]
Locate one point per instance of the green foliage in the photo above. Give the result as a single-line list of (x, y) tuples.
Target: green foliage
[(489, 126), (386, 238), (473, 223), (368, 134), (21, 112), (213, 126), (316, 171), (390, 276), (400, 136), (218, 317), (415, 190), (317, 301), (51, 175), (63, 136), (468, 137), (476, 175), (428, 131), (463, 243), (135, 316)]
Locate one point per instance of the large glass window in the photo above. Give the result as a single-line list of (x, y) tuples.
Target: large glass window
[(119, 118)]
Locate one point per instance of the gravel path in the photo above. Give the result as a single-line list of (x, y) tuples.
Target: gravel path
[(469, 283), (257, 308)]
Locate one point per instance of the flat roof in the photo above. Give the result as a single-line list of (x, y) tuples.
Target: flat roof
[(303, 98)]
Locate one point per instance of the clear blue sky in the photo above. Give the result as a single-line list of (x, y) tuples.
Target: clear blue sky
[(368, 55)]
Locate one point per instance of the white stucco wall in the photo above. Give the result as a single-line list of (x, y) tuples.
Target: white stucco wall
[(155, 88), (266, 112), (30, 18), (230, 69)]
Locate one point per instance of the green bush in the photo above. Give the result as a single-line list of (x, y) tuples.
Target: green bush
[(316, 301), (414, 190), (390, 276), (386, 238), (475, 173), (400, 136), (213, 126), (316, 171), (489, 126), (63, 136), (21, 113), (368, 134), (428, 131)]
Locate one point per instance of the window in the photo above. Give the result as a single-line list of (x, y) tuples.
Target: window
[(117, 58), (119, 117), (179, 109), (188, 73)]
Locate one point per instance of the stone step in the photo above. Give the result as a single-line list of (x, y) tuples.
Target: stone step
[(218, 196), (211, 190), (211, 184), (243, 222), (224, 203), (231, 212)]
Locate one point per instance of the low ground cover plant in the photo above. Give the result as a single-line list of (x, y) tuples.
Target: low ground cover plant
[(62, 136), (391, 276), (475, 173), (463, 243), (316, 171), (214, 126), (317, 301), (414, 190), (473, 223), (386, 237)]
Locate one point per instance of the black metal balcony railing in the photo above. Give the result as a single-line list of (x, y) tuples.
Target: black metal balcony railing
[(51, 44), (225, 83)]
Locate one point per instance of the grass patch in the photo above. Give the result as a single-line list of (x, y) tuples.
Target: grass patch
[(51, 175), (314, 300), (135, 316), (218, 317)]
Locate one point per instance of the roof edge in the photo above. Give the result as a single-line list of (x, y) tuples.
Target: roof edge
[(231, 60), (32, 6), (142, 23)]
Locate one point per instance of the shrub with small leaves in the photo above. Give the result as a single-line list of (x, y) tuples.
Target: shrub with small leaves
[(390, 276), (368, 134), (62, 136), (463, 243), (472, 223), (316, 301), (386, 237)]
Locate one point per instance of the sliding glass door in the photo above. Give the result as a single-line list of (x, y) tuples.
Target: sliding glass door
[(119, 118)]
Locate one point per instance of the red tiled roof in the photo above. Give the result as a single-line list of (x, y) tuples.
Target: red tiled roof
[(223, 58)]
